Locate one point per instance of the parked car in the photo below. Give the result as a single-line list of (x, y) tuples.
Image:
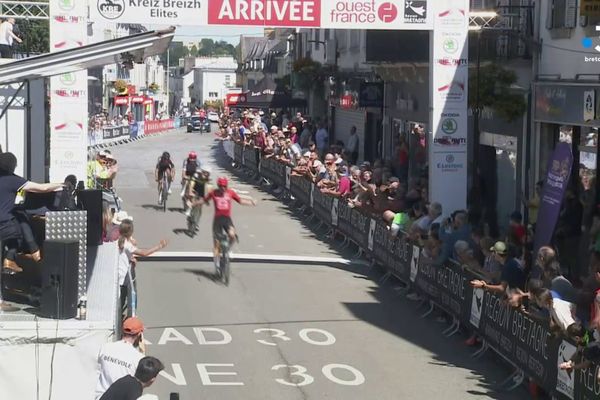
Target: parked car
[(196, 123), (213, 116)]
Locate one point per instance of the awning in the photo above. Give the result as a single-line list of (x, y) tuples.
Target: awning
[(269, 94), (134, 48)]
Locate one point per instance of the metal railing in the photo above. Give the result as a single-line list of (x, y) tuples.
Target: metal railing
[(24, 9)]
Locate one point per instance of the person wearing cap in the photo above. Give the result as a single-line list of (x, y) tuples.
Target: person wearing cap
[(512, 276), (120, 358), (132, 387), (343, 184)]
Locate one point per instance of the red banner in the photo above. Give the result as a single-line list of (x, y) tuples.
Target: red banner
[(151, 127), (231, 99), (137, 99), (121, 100), (346, 101), (299, 13)]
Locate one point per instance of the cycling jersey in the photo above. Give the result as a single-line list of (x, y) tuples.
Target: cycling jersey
[(191, 166), (164, 165), (199, 186), (222, 200)]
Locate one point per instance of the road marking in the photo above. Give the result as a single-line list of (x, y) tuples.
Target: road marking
[(279, 334), (173, 335), (226, 336), (359, 378), (299, 371), (177, 378), (241, 257), (329, 338), (205, 375)]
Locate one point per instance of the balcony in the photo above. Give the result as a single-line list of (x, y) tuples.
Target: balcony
[(504, 32)]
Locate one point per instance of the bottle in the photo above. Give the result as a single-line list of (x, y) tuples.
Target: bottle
[(83, 308)]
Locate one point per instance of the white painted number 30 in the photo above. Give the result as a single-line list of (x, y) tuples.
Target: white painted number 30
[(328, 370), (305, 334), (298, 370)]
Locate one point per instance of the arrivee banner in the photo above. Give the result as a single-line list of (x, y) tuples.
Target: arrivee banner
[(272, 13)]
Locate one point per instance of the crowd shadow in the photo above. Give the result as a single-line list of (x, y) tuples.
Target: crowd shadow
[(204, 274)]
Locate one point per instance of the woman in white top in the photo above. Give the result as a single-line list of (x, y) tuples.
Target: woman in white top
[(127, 253)]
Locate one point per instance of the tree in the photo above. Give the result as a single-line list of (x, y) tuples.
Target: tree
[(495, 92), (210, 48), (35, 35), (177, 51), (194, 51)]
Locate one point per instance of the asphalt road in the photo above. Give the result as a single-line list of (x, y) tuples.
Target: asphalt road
[(281, 331)]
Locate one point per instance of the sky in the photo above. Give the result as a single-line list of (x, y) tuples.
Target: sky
[(226, 33)]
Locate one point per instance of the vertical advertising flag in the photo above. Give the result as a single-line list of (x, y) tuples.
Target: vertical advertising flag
[(68, 94), (449, 89), (555, 186)]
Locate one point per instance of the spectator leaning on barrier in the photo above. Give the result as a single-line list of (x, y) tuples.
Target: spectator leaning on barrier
[(562, 313), (132, 387), (465, 256), (121, 358), (512, 278)]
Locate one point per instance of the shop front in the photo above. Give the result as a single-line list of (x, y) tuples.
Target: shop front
[(568, 112)]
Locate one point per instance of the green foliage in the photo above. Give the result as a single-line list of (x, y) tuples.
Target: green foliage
[(210, 48), (495, 92), (35, 35), (214, 104), (308, 73), (154, 87), (177, 50)]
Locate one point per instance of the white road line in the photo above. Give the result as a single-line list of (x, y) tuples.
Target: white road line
[(205, 255)]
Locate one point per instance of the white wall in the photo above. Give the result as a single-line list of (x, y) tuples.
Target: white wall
[(216, 82), (566, 56)]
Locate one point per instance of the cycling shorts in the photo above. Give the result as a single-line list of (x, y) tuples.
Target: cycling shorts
[(221, 224)]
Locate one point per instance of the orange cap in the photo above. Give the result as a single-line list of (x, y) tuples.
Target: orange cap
[(133, 326)]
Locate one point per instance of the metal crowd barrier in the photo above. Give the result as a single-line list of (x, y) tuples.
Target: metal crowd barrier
[(523, 341)]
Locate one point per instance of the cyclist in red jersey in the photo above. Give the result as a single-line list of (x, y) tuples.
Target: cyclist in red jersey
[(222, 198)]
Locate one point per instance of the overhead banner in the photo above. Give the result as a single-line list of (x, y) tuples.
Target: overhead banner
[(331, 14), (449, 89), (68, 94)]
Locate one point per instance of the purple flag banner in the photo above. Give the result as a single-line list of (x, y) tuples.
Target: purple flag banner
[(555, 186)]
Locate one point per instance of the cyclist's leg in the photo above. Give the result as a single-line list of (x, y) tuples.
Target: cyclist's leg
[(169, 179), (230, 231)]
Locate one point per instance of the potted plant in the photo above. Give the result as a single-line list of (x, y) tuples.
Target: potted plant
[(120, 86), (154, 87)]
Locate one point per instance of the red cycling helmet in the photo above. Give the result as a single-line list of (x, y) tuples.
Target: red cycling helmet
[(222, 181), (192, 155)]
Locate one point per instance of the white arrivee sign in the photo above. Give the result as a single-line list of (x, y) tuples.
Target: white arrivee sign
[(68, 94), (449, 100)]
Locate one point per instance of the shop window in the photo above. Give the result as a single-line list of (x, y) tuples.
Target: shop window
[(213, 95), (561, 14)]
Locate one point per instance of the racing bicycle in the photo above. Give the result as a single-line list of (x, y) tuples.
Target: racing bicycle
[(163, 192), (223, 256)]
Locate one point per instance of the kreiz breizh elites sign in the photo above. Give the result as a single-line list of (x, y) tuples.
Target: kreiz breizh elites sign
[(355, 14), (164, 12)]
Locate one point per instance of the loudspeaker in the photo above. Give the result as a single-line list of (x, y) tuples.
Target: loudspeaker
[(60, 269), (91, 201)]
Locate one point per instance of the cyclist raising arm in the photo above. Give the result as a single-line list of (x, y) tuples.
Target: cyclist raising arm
[(164, 165), (222, 198)]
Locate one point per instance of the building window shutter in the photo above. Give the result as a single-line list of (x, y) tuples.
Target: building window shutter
[(570, 13), (550, 15)]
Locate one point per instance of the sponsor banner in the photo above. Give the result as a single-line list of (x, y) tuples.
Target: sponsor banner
[(393, 252), (555, 186), (322, 205), (449, 85), (377, 14), (273, 171), (68, 94), (587, 385), (271, 13), (161, 12), (251, 158), (115, 132), (232, 99), (300, 188), (476, 307), (151, 127), (228, 146), (238, 154), (565, 380), (353, 224)]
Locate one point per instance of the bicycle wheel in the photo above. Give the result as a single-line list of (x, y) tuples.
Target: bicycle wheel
[(225, 269), (165, 193)]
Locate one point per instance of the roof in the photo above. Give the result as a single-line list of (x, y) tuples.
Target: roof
[(135, 48), (227, 63)]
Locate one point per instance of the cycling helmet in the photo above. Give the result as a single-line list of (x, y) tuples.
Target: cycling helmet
[(222, 181), (166, 155), (192, 155)]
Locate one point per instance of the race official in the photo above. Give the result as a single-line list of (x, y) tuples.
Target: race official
[(119, 359)]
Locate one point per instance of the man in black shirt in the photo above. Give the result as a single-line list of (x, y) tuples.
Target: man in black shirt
[(131, 387)]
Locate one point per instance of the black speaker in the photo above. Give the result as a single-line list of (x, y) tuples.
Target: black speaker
[(60, 270), (91, 201)]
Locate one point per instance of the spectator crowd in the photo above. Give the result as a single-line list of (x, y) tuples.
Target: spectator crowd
[(548, 284)]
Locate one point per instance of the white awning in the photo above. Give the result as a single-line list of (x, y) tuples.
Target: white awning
[(133, 48)]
